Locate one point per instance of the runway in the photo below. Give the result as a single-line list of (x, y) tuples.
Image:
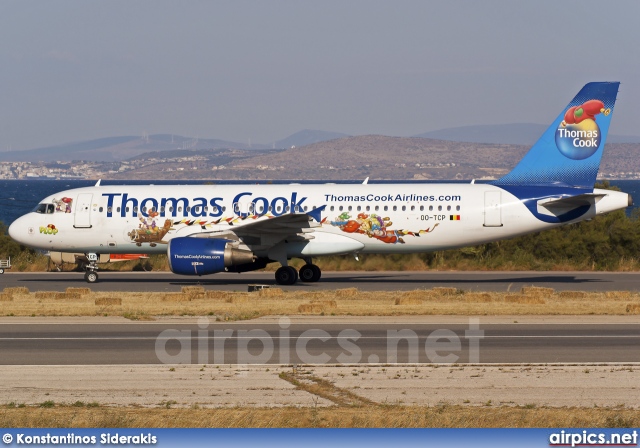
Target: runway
[(365, 281), (273, 341)]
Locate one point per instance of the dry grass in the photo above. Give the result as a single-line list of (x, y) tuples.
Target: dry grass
[(529, 300), (618, 294), (270, 292), (633, 308), (572, 294), (176, 297), (17, 290), (243, 305), (79, 291), (108, 301), (347, 292), (536, 291), (408, 301), (481, 297), (364, 416), (310, 308)]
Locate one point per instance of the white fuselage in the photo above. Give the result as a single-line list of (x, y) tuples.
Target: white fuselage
[(357, 218)]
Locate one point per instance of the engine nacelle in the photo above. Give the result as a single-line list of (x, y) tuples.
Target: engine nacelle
[(201, 256)]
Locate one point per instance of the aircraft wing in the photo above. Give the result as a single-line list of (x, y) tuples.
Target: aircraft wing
[(266, 232)]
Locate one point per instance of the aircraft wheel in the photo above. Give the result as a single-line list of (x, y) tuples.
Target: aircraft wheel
[(1, 271), (310, 273), (91, 277), (286, 275)]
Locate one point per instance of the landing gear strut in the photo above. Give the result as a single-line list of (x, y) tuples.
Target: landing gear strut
[(90, 275)]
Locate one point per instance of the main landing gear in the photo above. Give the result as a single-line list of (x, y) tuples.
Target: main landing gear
[(90, 275), (309, 273)]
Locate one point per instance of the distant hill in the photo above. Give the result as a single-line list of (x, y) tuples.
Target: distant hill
[(114, 149), (307, 137), (506, 134)]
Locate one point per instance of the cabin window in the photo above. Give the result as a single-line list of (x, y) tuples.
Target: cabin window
[(422, 208), (270, 209), (118, 210), (413, 207), (286, 209), (305, 208), (170, 209), (206, 209), (100, 209), (188, 209), (259, 208), (395, 208), (162, 209), (431, 208), (359, 208), (224, 209), (350, 208), (340, 208), (448, 208), (386, 207), (377, 207), (439, 208), (135, 209), (457, 207), (143, 209), (214, 209), (180, 208), (126, 209), (109, 209), (404, 208), (279, 209), (368, 208), (236, 207)]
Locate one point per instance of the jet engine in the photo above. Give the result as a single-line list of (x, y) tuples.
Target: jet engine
[(199, 256)]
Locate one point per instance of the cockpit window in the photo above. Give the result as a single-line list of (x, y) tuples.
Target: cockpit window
[(44, 209)]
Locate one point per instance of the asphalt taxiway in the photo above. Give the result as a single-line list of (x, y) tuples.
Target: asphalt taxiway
[(287, 341), (365, 281)]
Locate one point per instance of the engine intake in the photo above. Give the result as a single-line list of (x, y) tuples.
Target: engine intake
[(199, 256)]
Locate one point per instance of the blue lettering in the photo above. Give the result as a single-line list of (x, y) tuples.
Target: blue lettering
[(145, 209), (277, 210), (197, 209), (265, 206), (294, 204), (216, 209), (174, 205), (125, 202), (110, 197)]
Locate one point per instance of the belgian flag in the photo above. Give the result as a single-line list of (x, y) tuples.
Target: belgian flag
[(454, 217)]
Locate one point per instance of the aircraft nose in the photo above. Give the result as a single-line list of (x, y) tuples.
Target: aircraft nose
[(17, 230)]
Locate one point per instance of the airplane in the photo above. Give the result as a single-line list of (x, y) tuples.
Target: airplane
[(205, 229)]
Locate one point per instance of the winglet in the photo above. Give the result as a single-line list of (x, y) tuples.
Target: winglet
[(98, 183), (317, 213)]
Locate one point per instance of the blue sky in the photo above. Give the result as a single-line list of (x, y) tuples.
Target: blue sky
[(262, 70)]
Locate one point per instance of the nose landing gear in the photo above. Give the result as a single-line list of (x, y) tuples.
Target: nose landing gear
[(90, 275)]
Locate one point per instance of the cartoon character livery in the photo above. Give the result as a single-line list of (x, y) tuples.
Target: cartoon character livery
[(206, 229)]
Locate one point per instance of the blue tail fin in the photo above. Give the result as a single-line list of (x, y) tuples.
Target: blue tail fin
[(570, 150)]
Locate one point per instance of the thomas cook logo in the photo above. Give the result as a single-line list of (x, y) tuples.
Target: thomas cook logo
[(578, 136)]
